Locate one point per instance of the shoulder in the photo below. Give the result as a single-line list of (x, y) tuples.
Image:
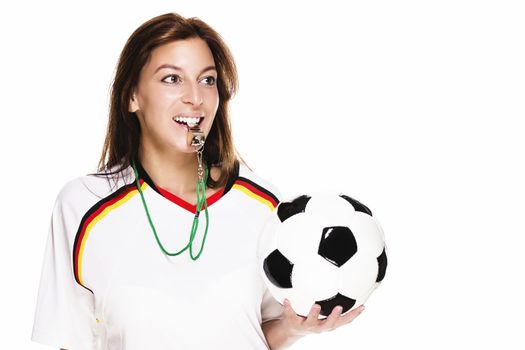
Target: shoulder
[(89, 189), (254, 182)]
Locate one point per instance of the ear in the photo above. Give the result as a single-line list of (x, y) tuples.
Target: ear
[(133, 104)]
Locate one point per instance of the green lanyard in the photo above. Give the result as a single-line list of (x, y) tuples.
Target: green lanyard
[(201, 201)]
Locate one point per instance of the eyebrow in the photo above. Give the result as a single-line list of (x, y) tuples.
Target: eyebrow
[(171, 66)]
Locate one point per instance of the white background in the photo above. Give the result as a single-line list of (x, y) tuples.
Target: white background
[(413, 107)]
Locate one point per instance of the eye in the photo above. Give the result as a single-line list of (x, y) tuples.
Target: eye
[(209, 80), (172, 79)]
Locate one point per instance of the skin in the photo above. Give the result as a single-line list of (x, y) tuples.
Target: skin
[(163, 92), (179, 78)]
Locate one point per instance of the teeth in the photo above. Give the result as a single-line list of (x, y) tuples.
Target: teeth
[(187, 120)]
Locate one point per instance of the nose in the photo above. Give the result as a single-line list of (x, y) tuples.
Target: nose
[(192, 94)]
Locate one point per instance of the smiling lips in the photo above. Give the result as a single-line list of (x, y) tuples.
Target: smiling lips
[(191, 121)]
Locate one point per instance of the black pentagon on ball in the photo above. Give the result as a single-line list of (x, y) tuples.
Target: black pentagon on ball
[(328, 305), (337, 245), (382, 262), (358, 206), (296, 206), (278, 269)]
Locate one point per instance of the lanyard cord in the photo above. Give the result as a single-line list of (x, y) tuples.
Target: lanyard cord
[(201, 201)]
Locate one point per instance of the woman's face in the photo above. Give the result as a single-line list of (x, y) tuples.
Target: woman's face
[(178, 82)]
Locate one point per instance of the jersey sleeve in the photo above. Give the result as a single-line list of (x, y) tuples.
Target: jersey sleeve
[(64, 315), (271, 309)]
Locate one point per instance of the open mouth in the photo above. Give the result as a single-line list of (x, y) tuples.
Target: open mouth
[(190, 121)]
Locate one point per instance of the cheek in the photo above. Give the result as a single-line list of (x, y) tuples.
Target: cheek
[(212, 105), (162, 98), (153, 98), (212, 99)]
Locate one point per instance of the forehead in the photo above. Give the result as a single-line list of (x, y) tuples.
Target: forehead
[(190, 54)]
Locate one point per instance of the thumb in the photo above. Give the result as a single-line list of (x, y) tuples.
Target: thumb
[(288, 310)]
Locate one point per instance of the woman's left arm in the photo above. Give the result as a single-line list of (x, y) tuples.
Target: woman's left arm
[(282, 333)]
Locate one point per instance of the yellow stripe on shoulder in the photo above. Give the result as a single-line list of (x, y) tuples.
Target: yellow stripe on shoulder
[(254, 196), (99, 217)]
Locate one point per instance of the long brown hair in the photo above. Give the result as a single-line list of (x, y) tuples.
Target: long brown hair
[(123, 133)]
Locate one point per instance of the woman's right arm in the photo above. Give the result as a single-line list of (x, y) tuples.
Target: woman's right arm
[(64, 316)]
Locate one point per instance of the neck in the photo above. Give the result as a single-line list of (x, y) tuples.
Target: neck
[(176, 173)]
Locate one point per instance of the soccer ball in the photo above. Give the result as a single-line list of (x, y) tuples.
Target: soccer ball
[(322, 248)]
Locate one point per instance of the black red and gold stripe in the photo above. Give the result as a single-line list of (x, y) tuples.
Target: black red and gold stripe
[(256, 192), (94, 215)]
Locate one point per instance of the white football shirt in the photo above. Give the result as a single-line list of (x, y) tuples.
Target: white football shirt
[(107, 285)]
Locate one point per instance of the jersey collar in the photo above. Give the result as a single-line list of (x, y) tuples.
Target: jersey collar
[(179, 201)]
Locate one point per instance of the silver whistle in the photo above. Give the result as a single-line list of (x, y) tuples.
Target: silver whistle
[(196, 136)]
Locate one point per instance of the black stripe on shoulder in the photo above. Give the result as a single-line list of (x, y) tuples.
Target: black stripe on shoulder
[(260, 188), (124, 188), (94, 208)]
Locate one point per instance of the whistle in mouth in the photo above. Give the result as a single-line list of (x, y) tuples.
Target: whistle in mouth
[(196, 136)]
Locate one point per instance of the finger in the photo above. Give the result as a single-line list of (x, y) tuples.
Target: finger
[(350, 316), (312, 318), (331, 321), (288, 310)]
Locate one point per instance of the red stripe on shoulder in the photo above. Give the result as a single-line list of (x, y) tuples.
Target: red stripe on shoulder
[(258, 190), (90, 215)]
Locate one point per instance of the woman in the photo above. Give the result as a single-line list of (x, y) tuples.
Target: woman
[(131, 262)]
